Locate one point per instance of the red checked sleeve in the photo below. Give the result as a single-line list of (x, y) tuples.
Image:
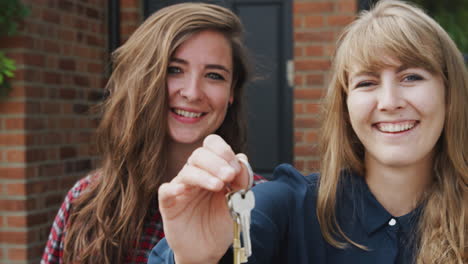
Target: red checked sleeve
[(53, 251)]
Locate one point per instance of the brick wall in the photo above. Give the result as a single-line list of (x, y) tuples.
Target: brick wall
[(46, 130), (317, 24)]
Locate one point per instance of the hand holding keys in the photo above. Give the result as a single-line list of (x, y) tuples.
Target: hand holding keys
[(240, 204)]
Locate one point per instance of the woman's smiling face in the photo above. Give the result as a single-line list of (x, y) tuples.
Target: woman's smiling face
[(199, 85), (398, 113)]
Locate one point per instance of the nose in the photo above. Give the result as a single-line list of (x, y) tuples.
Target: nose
[(390, 96), (191, 90)]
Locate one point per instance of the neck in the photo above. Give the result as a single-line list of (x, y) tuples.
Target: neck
[(177, 157), (398, 188)]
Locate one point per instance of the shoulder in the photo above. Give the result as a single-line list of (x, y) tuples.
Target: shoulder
[(54, 246), (80, 186), (288, 187)]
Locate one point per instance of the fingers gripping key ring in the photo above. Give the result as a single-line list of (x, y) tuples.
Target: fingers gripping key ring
[(249, 171)]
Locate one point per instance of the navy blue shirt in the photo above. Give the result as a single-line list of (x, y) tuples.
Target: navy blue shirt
[(285, 229)]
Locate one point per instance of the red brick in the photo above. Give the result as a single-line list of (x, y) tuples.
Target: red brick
[(12, 173), (312, 108), (94, 41), (16, 189), (95, 68), (50, 108), (314, 21), (12, 107), (19, 41), (299, 164), (347, 6), (18, 91), (129, 4), (67, 94), (305, 123), (14, 123), (298, 21), (314, 79), (311, 137), (312, 166), (52, 78), (11, 237), (307, 150), (65, 5), (312, 7), (298, 80), (127, 30), (92, 13), (12, 139), (308, 94), (33, 107), (67, 152), (298, 108), (27, 74), (339, 20), (298, 136), (18, 156), (17, 254), (35, 155), (51, 170), (16, 205), (67, 64), (314, 36), (310, 65), (27, 220), (314, 50), (51, 16), (298, 51), (17, 221), (129, 16)]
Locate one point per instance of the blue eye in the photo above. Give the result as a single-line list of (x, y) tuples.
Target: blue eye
[(412, 78), (173, 70), (215, 76)]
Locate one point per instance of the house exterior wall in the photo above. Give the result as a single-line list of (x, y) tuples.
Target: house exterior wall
[(46, 123)]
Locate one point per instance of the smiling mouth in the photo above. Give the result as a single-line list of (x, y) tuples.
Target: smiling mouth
[(188, 114), (396, 127)]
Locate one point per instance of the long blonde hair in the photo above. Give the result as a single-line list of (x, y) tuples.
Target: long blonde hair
[(404, 32), (107, 219)]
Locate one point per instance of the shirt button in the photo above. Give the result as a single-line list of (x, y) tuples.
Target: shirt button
[(392, 222)]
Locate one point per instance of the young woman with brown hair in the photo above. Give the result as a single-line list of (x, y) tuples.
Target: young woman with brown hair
[(394, 181), (177, 79)]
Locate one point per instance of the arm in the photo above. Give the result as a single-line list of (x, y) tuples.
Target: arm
[(197, 222)]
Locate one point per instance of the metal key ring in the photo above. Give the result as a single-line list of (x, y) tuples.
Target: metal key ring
[(249, 171)]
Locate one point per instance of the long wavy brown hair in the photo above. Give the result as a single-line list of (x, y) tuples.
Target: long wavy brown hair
[(404, 32), (107, 219)]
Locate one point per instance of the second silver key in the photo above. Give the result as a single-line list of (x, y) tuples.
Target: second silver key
[(242, 203)]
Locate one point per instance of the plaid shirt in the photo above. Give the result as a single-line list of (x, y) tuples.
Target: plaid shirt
[(153, 228)]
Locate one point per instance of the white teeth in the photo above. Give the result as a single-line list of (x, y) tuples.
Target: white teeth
[(395, 127), (186, 113)]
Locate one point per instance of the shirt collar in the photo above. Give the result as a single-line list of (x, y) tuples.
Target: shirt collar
[(371, 214)]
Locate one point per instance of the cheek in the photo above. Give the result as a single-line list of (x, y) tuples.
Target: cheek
[(173, 85), (359, 108)]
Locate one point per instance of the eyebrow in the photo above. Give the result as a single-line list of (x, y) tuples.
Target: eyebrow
[(208, 66), (399, 69)]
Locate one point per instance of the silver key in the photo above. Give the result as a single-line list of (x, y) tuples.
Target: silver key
[(242, 203)]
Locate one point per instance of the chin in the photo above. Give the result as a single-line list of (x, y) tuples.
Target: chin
[(186, 138)]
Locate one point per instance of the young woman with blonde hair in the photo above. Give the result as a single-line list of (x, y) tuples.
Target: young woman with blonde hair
[(394, 181), (178, 78)]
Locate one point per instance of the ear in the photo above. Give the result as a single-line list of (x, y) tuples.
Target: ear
[(231, 99)]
